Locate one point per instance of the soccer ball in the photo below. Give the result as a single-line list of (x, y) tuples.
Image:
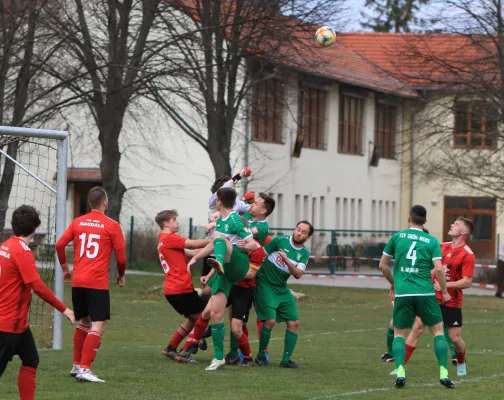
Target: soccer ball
[(325, 36)]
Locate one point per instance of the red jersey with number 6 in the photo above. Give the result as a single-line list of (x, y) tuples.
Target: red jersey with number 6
[(457, 262), (174, 263), (94, 236)]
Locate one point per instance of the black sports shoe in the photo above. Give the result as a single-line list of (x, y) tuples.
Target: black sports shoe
[(207, 333), (447, 383), (386, 358), (247, 362), (400, 382), (203, 345), (454, 361), (290, 364), (232, 359), (262, 361), (192, 349), (170, 352)]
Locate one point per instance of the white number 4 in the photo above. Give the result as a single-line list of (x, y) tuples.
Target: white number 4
[(412, 254), (95, 246)]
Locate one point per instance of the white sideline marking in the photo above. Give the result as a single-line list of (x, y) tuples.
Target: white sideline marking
[(388, 389)]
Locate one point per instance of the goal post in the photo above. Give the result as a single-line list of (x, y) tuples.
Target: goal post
[(27, 164)]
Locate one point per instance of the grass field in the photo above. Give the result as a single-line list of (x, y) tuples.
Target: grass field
[(342, 336)]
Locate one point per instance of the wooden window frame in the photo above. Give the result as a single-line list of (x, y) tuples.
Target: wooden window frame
[(312, 111), (469, 134), (350, 134), (267, 111), (385, 134)]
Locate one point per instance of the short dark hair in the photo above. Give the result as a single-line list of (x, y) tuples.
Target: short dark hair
[(310, 229), (269, 203), (418, 215), (219, 182), (96, 196), (468, 223), (25, 220), (425, 230), (227, 196), (164, 216)]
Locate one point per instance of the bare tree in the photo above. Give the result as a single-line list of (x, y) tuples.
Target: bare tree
[(235, 45)]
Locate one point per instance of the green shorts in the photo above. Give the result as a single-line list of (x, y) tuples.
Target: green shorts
[(271, 303), (406, 309), (234, 271)]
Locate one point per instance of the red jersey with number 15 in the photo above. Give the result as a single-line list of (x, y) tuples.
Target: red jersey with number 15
[(457, 262), (174, 263), (94, 236)]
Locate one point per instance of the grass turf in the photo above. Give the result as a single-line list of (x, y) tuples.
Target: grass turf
[(342, 336)]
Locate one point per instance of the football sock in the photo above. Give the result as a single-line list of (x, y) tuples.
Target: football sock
[(233, 348), (27, 379), (199, 328), (244, 345), (245, 329), (399, 353), (259, 327), (390, 339), (90, 348), (441, 351), (80, 336), (178, 337), (409, 352), (461, 357), (264, 339), (218, 333), (289, 344), (220, 249), (450, 343)]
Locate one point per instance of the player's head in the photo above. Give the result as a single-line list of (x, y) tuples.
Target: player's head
[(25, 220), (461, 227), (302, 233), (226, 198), (263, 205), (97, 198), (219, 182), (167, 219), (417, 215)]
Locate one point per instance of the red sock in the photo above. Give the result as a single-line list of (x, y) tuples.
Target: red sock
[(27, 379), (80, 336), (91, 346), (259, 327), (178, 337), (245, 329), (460, 357), (409, 352), (244, 345), (199, 330)]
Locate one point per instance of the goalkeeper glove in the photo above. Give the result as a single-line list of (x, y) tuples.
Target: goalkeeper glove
[(249, 197), (245, 172)]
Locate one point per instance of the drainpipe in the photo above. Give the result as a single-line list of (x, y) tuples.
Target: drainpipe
[(412, 154), (247, 138)]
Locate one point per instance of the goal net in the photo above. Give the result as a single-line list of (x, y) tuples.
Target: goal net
[(33, 171)]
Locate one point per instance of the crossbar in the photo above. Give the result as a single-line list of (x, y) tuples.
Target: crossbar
[(32, 132)]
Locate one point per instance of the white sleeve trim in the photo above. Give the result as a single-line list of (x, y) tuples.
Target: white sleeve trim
[(388, 255), (437, 258), (301, 266)]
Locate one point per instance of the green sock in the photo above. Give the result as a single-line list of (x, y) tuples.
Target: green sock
[(264, 339), (441, 351), (450, 343), (220, 249), (289, 344), (233, 349), (399, 353), (390, 339), (218, 333)]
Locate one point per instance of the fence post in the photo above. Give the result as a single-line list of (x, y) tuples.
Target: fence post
[(132, 241), (332, 261), (190, 227)]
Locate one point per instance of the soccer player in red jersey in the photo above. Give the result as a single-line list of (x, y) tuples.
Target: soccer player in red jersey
[(458, 261), (18, 277), (94, 237), (178, 287)]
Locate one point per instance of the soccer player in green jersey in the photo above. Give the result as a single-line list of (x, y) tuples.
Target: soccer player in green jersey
[(416, 253), (231, 264), (286, 256)]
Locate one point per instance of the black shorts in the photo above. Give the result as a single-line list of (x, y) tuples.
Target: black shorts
[(241, 299), (206, 268), (452, 316), (93, 303), (21, 344), (186, 303)]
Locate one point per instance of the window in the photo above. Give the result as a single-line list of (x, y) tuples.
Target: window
[(267, 111), (306, 205), (387, 216), (475, 125), (393, 219), (279, 209), (385, 129), (337, 212), (312, 114), (298, 208), (352, 213), (322, 212), (351, 122), (373, 215), (345, 213), (359, 215)]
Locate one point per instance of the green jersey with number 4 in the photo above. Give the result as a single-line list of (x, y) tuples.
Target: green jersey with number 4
[(274, 270), (414, 252)]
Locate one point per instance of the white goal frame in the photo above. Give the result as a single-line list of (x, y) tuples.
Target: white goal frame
[(61, 190)]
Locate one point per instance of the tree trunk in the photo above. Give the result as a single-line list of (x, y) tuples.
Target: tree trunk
[(218, 152), (6, 183), (110, 127)]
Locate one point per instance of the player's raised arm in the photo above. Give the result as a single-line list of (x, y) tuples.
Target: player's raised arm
[(196, 243), (61, 245)]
